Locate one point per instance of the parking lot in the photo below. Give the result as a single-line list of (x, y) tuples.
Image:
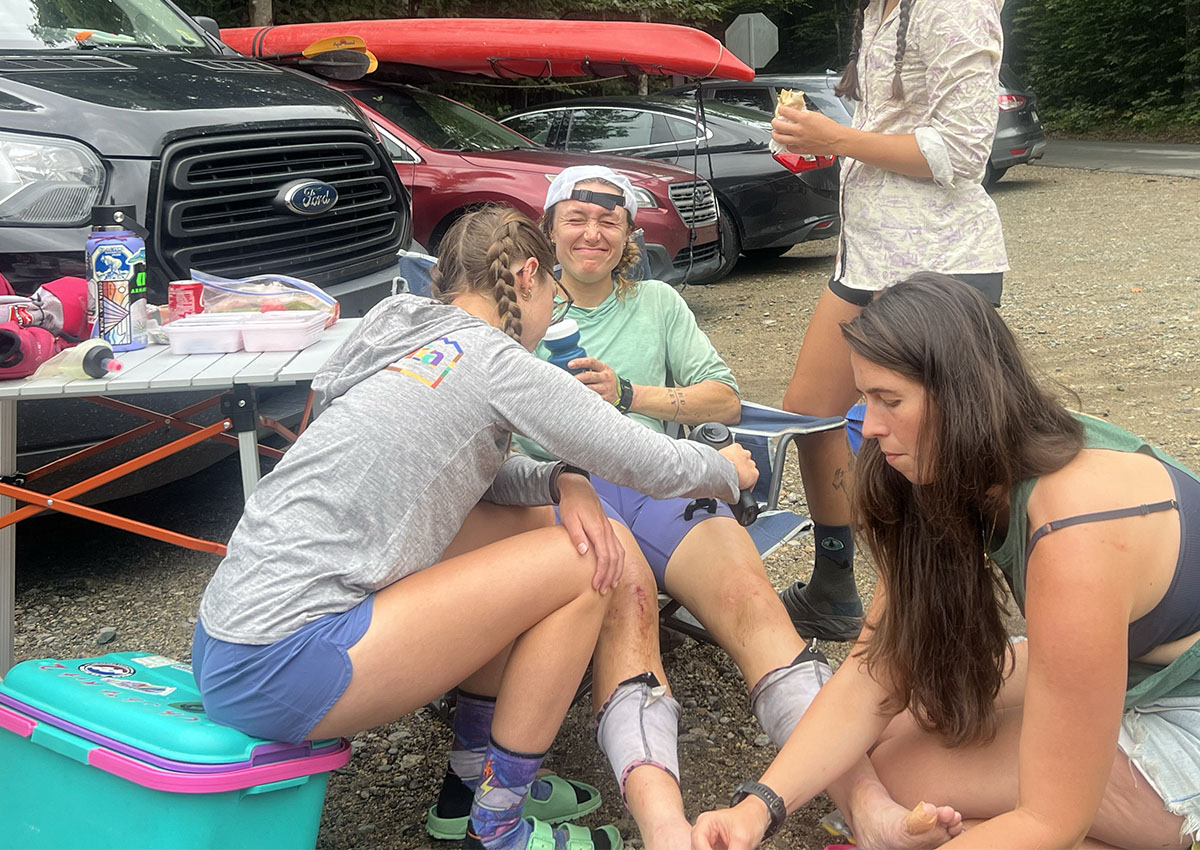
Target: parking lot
[(1103, 292)]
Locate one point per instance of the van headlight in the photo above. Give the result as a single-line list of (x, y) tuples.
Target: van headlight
[(45, 181)]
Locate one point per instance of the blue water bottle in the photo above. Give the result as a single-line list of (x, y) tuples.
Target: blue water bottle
[(116, 269), (562, 339)]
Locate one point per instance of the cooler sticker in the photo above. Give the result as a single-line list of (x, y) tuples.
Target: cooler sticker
[(189, 707), (430, 363), (106, 668), (154, 661), (142, 687), (183, 668)]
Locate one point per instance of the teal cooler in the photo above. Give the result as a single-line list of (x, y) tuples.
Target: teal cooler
[(116, 752)]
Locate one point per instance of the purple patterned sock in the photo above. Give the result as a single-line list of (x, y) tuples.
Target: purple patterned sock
[(472, 730), (496, 813)]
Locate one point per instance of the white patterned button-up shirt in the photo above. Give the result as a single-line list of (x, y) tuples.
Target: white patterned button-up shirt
[(892, 224)]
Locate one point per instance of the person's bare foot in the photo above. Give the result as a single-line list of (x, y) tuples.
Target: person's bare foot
[(880, 823)]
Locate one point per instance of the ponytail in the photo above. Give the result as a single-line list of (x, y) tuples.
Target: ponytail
[(848, 86), (499, 256), (901, 47)]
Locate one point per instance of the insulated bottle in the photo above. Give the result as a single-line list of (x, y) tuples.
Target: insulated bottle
[(116, 269)]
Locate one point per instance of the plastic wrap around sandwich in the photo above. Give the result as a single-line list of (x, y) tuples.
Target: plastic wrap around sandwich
[(792, 100)]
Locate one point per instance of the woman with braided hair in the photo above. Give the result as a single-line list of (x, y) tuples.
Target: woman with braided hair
[(399, 549), (925, 75)]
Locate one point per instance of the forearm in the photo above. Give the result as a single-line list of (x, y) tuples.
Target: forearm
[(898, 152), (1019, 828), (707, 401)]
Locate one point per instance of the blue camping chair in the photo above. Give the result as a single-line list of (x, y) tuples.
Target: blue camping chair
[(766, 432)]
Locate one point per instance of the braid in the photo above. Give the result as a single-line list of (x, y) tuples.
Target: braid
[(848, 85), (901, 47), (505, 293)]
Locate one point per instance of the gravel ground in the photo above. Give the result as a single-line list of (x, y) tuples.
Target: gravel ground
[(1103, 291)]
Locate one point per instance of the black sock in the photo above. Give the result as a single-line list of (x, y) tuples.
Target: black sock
[(455, 798), (833, 567)]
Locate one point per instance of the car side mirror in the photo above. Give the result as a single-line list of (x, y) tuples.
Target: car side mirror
[(209, 25)]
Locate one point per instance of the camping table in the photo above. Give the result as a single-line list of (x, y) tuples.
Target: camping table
[(153, 369)]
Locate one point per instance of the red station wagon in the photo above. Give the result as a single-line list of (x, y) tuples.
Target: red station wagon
[(452, 158)]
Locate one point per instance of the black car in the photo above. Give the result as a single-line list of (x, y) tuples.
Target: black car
[(768, 203), (1019, 135), (761, 93)]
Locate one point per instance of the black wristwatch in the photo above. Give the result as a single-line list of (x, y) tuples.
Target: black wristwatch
[(774, 803), (625, 399), (559, 469)]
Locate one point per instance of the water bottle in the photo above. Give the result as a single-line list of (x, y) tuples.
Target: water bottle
[(92, 358), (116, 270), (562, 339)]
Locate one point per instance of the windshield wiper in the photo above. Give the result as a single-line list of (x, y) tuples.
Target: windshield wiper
[(112, 41)]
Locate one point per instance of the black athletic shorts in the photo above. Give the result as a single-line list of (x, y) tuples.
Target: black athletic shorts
[(990, 284)]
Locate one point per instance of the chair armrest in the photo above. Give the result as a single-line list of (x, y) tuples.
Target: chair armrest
[(767, 432)]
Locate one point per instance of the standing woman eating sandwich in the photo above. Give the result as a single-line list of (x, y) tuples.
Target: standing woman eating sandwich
[(925, 75)]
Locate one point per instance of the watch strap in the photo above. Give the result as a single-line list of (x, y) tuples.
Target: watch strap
[(560, 468), (625, 396), (774, 803)]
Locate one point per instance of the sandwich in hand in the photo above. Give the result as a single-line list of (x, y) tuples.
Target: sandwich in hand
[(792, 100)]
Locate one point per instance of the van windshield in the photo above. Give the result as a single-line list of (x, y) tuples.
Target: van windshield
[(95, 24)]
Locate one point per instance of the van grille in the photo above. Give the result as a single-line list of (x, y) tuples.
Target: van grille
[(218, 211), (695, 202)]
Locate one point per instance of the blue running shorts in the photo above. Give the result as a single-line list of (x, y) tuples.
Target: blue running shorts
[(657, 524), (280, 690)]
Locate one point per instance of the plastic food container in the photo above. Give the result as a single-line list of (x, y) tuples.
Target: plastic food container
[(206, 333), (116, 753), (282, 331)]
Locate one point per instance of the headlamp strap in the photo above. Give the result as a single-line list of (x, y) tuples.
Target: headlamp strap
[(604, 199)]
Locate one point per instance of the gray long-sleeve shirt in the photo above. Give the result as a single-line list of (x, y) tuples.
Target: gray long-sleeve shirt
[(418, 408)]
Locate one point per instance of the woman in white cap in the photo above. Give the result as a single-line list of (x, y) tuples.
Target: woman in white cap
[(647, 357)]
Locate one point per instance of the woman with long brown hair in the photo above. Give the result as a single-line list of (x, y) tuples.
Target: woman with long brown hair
[(971, 477)]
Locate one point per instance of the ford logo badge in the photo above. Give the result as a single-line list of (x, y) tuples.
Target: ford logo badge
[(307, 197)]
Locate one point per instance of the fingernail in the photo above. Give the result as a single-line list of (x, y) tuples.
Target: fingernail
[(582, 547)]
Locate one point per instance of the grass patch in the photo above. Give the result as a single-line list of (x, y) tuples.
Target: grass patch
[(1179, 124)]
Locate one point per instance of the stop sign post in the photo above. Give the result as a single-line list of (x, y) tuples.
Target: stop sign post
[(753, 38)]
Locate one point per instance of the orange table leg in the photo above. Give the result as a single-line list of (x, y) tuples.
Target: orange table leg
[(113, 474), (104, 518)]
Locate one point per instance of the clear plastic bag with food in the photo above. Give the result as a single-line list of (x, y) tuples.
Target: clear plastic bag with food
[(265, 294)]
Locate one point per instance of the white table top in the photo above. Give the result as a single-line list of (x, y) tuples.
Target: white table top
[(155, 368)]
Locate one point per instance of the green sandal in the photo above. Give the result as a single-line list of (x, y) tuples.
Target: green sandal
[(568, 800), (578, 837)]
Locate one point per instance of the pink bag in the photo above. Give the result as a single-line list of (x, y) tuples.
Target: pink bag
[(22, 350), (59, 306)]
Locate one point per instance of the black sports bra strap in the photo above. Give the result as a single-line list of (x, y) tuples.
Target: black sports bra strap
[(1099, 516)]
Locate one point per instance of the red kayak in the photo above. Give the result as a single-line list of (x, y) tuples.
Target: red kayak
[(508, 48)]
